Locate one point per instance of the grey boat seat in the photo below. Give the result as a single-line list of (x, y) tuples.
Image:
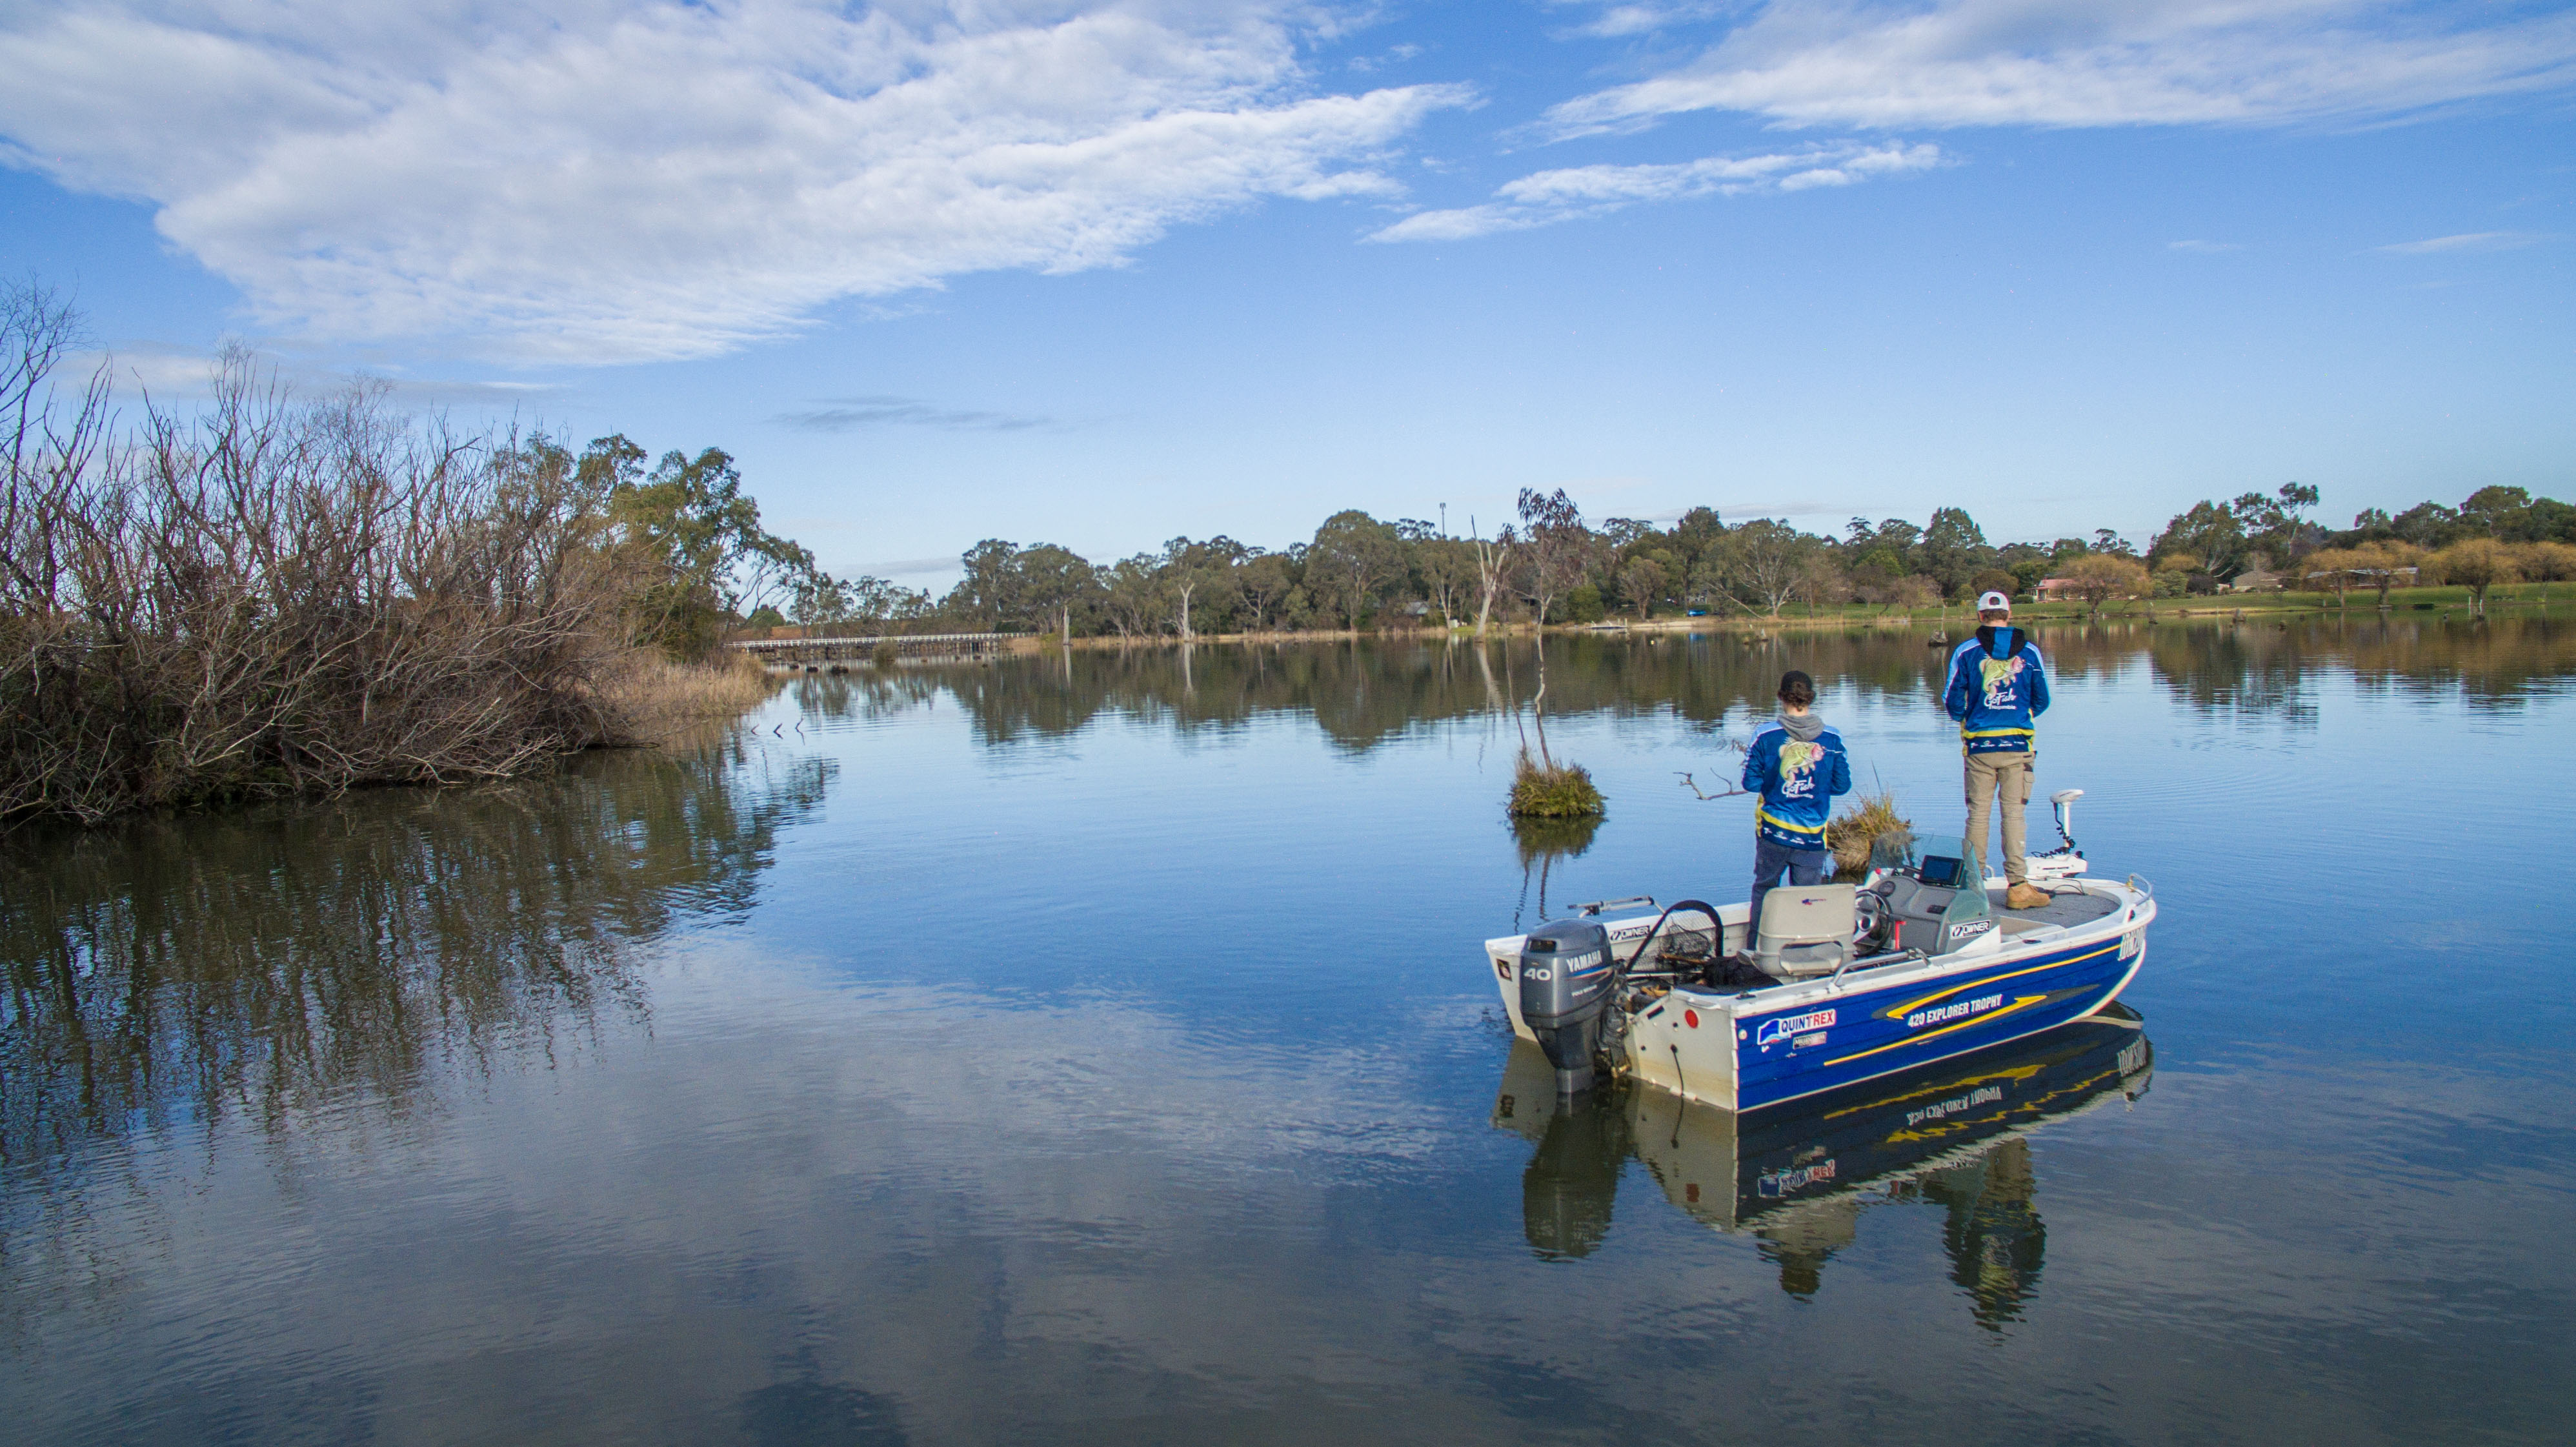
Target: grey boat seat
[(1805, 931)]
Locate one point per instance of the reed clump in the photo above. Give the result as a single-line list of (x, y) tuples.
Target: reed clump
[(655, 698), (1859, 826), (1545, 789)]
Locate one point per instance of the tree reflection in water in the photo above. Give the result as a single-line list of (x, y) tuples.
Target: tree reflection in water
[(1365, 693), (274, 961)]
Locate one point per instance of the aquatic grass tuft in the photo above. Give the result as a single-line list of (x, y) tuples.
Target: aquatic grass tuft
[(1854, 830), (1548, 790)]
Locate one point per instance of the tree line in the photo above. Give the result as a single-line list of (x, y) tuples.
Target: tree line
[(1547, 563)]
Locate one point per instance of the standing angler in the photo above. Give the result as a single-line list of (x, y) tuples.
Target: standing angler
[(1797, 765), (1997, 688)]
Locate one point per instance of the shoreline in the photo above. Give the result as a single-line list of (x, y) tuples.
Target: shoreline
[(2444, 604)]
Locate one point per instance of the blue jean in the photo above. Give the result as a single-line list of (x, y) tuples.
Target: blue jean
[(1805, 866)]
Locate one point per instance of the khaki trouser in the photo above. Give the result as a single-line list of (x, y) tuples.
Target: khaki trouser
[(2012, 773)]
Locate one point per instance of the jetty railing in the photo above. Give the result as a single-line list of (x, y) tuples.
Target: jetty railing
[(819, 652)]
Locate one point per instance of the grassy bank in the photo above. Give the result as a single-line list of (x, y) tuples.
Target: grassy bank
[(2530, 599)]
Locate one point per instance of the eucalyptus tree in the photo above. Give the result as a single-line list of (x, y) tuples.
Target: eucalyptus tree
[(1264, 582), (1132, 594), (1954, 550), (1493, 569), (1447, 570), (986, 591), (1764, 561), (691, 539), (1190, 570), (1351, 562), (1560, 552), (1052, 585)]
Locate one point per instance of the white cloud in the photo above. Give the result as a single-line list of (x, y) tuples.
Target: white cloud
[(1548, 197), (1618, 20), (166, 373), (2467, 241), (602, 180), (2094, 63)]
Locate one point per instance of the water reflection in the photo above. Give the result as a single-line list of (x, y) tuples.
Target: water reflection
[(1540, 844), (1364, 694), (1799, 1178), (265, 963), (1137, 1090)]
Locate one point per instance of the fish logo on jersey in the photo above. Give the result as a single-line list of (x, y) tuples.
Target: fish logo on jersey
[(1798, 768), (1999, 675)]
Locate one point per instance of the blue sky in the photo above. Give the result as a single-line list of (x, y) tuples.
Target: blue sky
[(1104, 273)]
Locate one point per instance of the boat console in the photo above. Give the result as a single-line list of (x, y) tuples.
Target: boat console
[(1927, 893)]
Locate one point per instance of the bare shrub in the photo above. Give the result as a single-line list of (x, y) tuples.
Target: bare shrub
[(278, 596)]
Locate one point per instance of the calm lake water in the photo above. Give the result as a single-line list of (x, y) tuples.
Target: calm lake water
[(1099, 1049)]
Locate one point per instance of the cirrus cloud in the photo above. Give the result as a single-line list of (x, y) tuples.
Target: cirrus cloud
[(1545, 198), (2067, 63), (616, 180), (2466, 241)]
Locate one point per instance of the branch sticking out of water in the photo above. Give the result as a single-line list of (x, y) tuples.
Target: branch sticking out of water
[(1693, 785)]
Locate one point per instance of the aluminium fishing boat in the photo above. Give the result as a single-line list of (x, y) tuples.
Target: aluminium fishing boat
[(1916, 963)]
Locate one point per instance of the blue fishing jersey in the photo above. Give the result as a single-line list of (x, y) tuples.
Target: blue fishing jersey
[(1798, 781), (1995, 699)]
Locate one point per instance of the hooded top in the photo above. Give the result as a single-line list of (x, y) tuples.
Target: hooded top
[(1997, 688), (1798, 765)]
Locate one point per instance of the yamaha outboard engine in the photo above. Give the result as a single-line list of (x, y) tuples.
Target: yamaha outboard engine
[(1565, 986)]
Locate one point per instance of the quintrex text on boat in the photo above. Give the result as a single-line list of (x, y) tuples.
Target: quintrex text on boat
[(1840, 983)]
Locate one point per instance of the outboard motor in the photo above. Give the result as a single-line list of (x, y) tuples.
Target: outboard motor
[(1565, 986)]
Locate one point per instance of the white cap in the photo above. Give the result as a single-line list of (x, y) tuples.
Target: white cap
[(1993, 603)]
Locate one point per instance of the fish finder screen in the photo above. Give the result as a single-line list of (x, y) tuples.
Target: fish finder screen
[(1940, 873)]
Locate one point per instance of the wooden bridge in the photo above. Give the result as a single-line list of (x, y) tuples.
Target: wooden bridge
[(814, 654)]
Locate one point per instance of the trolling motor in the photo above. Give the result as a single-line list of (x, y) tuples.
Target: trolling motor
[(1565, 976), (2066, 860)]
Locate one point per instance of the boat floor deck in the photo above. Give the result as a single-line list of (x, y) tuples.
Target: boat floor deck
[(2069, 908)]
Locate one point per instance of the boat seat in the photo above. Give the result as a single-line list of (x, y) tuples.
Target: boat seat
[(1805, 931)]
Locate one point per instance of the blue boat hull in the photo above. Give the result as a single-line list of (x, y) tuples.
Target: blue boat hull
[(1899, 1027)]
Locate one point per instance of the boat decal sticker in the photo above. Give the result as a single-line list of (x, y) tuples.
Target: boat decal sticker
[(1952, 1011), (2019, 1004), (1895, 1012), (1796, 1178), (1781, 1027)]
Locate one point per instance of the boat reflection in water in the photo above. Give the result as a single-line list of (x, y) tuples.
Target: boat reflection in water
[(1797, 1177)]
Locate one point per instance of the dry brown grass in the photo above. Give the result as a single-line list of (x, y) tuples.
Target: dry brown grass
[(655, 700), (1859, 826)]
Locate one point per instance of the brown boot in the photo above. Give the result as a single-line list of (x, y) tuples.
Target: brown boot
[(2023, 896)]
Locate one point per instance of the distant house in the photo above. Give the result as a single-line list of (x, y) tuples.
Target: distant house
[(2052, 589), (2256, 579)]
